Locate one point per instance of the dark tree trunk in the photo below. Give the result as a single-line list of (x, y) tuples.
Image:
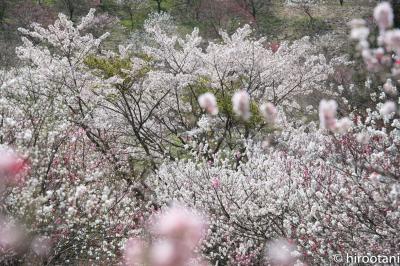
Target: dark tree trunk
[(396, 11), (131, 17), (158, 6), (71, 13), (253, 9)]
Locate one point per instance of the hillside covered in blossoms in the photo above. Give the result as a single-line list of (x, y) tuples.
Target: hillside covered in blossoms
[(199, 132)]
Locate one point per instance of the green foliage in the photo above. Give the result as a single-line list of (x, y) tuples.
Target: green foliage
[(107, 5), (108, 67), (293, 27), (166, 5), (175, 148), (136, 22), (224, 102), (270, 25), (49, 2), (304, 26)]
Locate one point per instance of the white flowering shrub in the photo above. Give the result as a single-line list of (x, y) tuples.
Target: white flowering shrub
[(311, 188), (77, 192)]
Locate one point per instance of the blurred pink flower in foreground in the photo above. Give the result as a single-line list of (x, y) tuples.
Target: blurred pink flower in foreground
[(241, 104), (389, 88), (327, 114), (12, 235), (388, 108), (167, 253), (11, 166), (177, 232), (208, 102), (383, 15), (391, 40), (281, 252), (269, 112), (343, 125), (181, 224), (328, 120), (135, 252)]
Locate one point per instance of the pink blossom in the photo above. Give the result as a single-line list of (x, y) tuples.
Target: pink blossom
[(386, 60), (134, 252), (389, 88), (238, 155), (388, 108), (357, 22), (266, 143), (269, 112), (370, 60), (166, 253), (359, 33), (241, 104), (181, 224), (208, 102), (396, 70), (11, 166), (12, 235), (379, 53), (383, 15), (216, 183), (374, 177), (327, 114), (392, 40), (178, 231), (343, 125), (281, 252)]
